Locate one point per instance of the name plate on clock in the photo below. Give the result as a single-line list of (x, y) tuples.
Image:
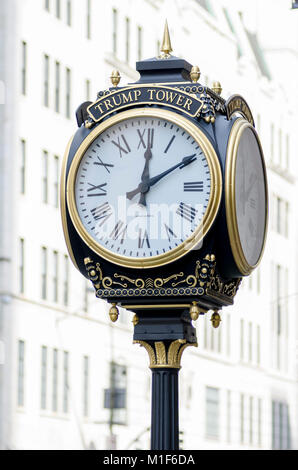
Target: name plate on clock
[(145, 95)]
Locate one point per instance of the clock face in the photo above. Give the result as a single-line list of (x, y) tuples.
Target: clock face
[(249, 204), (143, 188)]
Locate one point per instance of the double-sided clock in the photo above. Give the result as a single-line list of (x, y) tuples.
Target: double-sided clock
[(163, 191)]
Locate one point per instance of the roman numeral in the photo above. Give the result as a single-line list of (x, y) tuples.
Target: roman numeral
[(125, 149), (169, 144), (102, 213), (150, 138), (119, 230), (100, 187), (187, 212), (143, 238), (194, 186), (170, 232), (106, 165)]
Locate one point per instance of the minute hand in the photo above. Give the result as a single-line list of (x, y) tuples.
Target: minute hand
[(144, 187), (184, 162)]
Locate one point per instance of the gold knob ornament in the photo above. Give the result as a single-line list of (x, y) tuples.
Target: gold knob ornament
[(114, 313), (215, 320), (135, 320), (216, 87), (194, 311), (195, 73), (115, 78)]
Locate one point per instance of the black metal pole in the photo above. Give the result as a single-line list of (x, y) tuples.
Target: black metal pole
[(164, 335), (164, 411)]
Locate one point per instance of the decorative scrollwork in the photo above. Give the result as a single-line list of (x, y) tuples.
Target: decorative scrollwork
[(161, 355)]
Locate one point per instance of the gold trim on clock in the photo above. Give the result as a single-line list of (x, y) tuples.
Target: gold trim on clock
[(230, 196), (63, 204), (212, 207)]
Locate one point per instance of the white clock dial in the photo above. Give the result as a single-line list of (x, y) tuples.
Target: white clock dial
[(142, 188), (249, 203)]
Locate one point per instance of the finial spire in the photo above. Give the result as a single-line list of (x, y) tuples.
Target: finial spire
[(166, 47)]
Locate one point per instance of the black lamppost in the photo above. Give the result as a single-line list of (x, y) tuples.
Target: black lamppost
[(166, 141)]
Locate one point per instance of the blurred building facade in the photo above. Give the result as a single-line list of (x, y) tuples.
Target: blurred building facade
[(63, 362)]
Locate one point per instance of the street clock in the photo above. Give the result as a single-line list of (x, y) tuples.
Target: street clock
[(163, 191)]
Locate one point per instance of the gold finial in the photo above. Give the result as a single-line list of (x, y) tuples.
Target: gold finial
[(216, 87), (166, 47), (194, 311), (115, 78), (135, 320), (195, 73), (114, 313), (215, 319)]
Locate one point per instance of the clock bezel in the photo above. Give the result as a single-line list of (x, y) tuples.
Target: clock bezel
[(210, 213), (230, 196)]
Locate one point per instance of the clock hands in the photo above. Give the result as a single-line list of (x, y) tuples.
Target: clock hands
[(145, 185), (145, 174)]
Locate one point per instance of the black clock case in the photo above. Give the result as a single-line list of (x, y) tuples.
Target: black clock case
[(221, 272)]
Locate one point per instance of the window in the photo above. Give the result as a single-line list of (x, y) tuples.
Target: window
[(116, 396), (55, 276), (229, 409), (242, 418), (259, 422), (23, 167), (21, 266), (58, 9), (24, 68), (46, 62), (251, 419), (281, 436), (47, 5), (65, 381), (57, 87), (272, 131), (241, 339), (55, 381), (86, 386), (280, 147), (45, 176), (88, 20), (66, 281), (140, 42), (287, 164), (250, 341), (88, 89), (56, 181), (127, 40), (68, 13), (115, 28), (68, 92), (21, 373), (258, 344), (44, 272), (44, 365), (212, 412)]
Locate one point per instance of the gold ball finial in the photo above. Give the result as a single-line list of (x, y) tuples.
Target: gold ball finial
[(216, 87), (114, 313), (194, 311), (166, 47), (195, 73), (215, 320), (135, 320), (115, 78)]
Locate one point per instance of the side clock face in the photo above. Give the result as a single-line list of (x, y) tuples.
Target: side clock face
[(246, 196), (144, 188)]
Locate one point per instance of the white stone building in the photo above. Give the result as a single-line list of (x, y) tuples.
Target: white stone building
[(239, 388)]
